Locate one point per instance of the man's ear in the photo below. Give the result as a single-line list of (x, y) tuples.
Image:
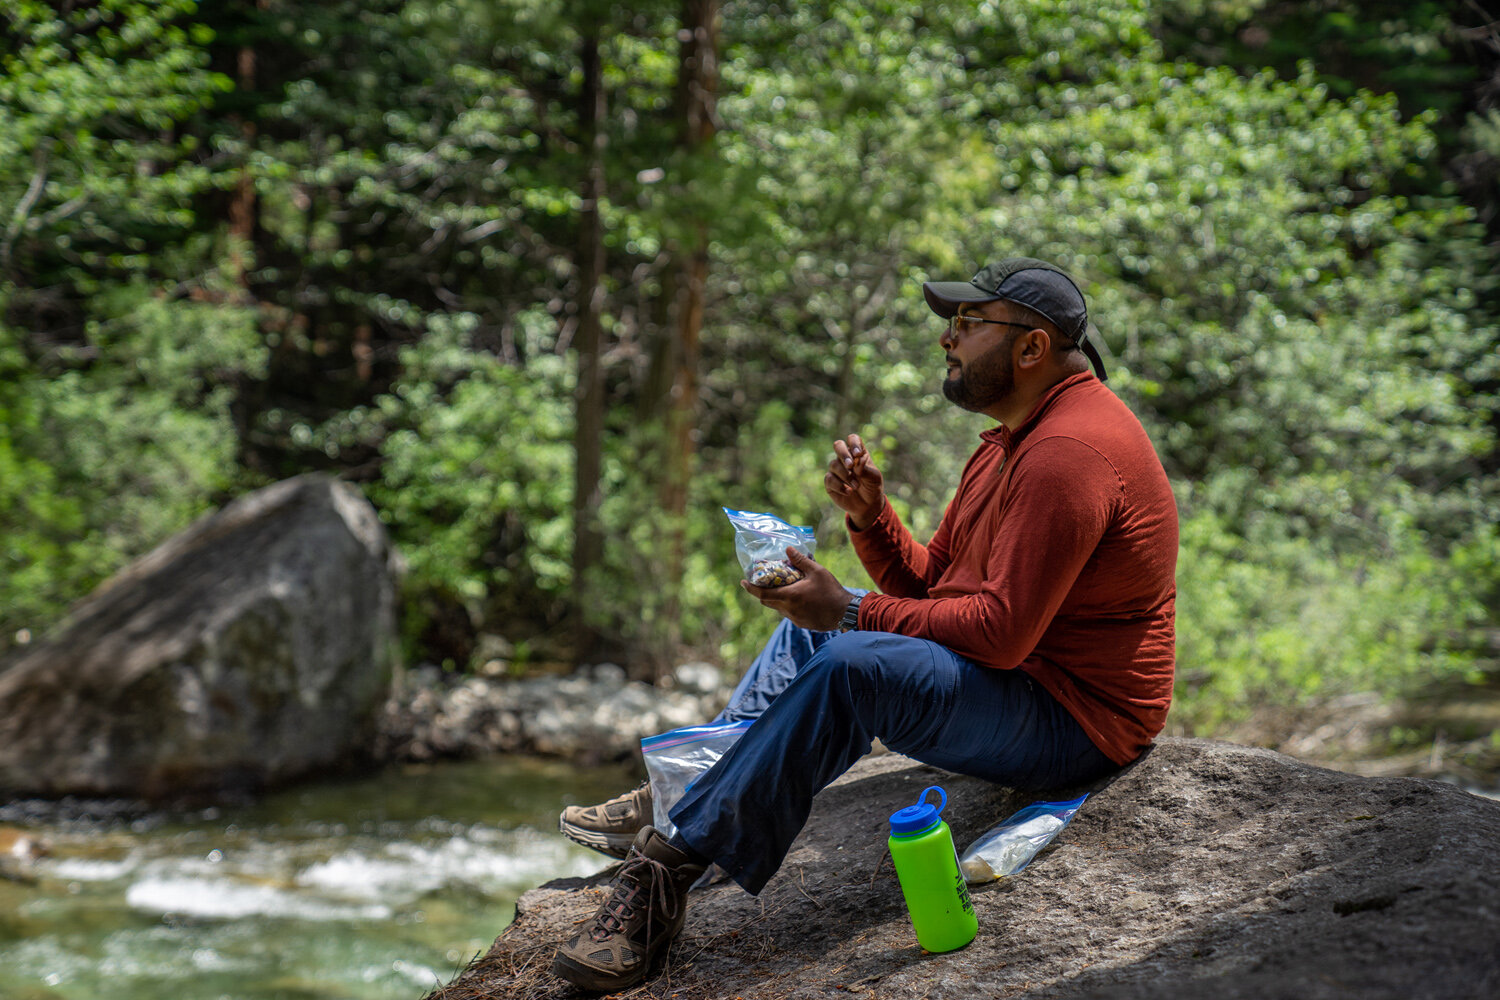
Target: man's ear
[(1033, 346)]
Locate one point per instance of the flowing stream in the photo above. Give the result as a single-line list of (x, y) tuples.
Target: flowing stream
[(367, 889)]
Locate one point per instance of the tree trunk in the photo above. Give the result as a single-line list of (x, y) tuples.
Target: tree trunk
[(588, 542), (242, 205), (697, 91)]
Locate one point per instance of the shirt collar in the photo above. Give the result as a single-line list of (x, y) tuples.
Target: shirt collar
[(1010, 440)]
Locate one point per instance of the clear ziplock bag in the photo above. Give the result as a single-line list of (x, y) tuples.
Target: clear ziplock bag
[(1009, 847), (676, 758), (761, 541)]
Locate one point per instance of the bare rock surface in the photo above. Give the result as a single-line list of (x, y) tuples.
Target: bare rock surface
[(1204, 870), (253, 648)]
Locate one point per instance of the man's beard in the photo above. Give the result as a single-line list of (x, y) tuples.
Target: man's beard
[(984, 381)]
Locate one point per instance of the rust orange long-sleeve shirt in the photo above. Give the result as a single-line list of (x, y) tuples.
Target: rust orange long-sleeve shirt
[(1056, 556)]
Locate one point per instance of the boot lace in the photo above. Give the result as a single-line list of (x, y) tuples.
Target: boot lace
[(642, 880)]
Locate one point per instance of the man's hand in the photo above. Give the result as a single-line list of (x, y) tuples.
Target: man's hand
[(817, 601), (854, 484)]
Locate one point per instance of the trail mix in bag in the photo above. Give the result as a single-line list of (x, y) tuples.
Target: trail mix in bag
[(760, 542)]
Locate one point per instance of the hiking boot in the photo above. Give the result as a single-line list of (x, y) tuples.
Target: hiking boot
[(646, 907), (609, 828)]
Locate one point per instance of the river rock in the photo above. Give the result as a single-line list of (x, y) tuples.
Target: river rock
[(1204, 870), (594, 715), (253, 648), (19, 852)]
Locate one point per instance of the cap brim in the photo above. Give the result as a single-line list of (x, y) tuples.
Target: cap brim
[(944, 297)]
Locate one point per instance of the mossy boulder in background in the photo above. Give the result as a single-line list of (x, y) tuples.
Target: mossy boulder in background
[(253, 648)]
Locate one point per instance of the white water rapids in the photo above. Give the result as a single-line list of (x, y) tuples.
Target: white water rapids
[(375, 889)]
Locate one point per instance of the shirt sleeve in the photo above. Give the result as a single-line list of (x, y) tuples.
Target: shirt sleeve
[(895, 560), (1061, 498)]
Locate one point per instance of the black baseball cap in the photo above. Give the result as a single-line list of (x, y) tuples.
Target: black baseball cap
[(1044, 287)]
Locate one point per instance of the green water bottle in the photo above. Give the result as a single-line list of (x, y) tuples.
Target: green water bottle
[(927, 865)]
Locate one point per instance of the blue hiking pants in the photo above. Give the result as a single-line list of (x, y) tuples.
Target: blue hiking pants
[(819, 698)]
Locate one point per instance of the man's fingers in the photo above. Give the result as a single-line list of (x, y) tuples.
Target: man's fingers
[(849, 451), (769, 596), (799, 558), (850, 465), (843, 479)]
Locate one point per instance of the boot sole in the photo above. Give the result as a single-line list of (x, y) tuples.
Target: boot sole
[(614, 845), (594, 980)]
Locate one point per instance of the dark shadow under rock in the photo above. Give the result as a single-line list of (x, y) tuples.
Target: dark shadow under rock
[(1204, 870)]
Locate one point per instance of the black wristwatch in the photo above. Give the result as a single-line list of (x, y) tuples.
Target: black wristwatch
[(850, 621)]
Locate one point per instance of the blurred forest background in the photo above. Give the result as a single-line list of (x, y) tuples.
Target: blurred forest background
[(552, 282)]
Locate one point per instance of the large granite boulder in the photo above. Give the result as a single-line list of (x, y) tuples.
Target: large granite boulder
[(253, 648), (1204, 870)]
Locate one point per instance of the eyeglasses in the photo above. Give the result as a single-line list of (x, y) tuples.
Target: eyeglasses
[(957, 322)]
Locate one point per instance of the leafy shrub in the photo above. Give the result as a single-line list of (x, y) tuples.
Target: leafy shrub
[(1268, 620), (475, 486), (110, 446)]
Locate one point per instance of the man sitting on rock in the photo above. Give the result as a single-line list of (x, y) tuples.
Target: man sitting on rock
[(1030, 642)]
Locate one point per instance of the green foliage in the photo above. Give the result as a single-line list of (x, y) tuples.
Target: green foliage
[(476, 480), (1267, 620), (1294, 301), (1407, 48), (112, 445), (116, 382), (93, 174), (40, 563)]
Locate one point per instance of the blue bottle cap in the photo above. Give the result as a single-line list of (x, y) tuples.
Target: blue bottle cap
[(922, 816)]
